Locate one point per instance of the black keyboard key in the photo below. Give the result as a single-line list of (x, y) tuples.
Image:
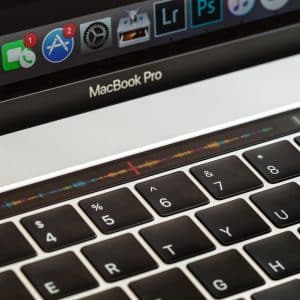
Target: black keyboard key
[(177, 239), (226, 274), (112, 294), (233, 222), (276, 162), (277, 255), (60, 276), (288, 291), (281, 204), (14, 247), (226, 177), (116, 211), (169, 285), (11, 287), (58, 228), (171, 194), (119, 258)]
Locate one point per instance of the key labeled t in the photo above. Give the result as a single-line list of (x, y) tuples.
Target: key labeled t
[(170, 249)]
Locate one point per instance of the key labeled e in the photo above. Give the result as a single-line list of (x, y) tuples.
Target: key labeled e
[(51, 288)]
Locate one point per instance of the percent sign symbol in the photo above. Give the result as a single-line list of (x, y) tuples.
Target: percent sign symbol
[(97, 207)]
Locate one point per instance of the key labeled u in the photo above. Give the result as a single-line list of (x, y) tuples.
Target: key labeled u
[(281, 215)]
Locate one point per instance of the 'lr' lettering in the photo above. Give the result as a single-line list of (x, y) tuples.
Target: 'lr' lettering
[(170, 17)]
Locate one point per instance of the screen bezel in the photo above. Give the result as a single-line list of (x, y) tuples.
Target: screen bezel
[(13, 108), (136, 58), (48, 15)]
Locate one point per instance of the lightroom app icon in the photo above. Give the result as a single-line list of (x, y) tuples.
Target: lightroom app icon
[(170, 17)]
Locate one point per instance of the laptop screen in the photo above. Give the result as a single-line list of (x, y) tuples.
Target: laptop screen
[(48, 43)]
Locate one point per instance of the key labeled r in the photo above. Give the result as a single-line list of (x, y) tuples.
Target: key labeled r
[(112, 268)]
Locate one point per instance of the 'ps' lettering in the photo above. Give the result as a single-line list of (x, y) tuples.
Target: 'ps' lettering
[(204, 5), (206, 12)]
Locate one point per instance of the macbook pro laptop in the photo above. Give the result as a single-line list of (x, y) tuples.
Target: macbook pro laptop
[(150, 150)]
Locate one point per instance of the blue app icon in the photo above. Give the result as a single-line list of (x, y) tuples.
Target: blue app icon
[(56, 47)]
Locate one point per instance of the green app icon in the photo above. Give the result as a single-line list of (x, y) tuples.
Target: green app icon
[(15, 55)]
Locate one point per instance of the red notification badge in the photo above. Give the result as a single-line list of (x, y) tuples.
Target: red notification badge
[(30, 40), (69, 30)]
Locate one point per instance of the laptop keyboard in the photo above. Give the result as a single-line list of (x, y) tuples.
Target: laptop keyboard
[(219, 227)]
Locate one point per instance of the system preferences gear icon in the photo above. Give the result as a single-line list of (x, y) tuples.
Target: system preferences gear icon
[(96, 35)]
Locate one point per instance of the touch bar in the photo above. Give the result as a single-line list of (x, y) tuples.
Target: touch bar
[(146, 164)]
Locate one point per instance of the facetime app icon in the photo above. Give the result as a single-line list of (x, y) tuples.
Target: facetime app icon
[(15, 56)]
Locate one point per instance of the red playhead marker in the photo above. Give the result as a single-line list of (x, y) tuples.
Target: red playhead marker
[(30, 40), (69, 30)]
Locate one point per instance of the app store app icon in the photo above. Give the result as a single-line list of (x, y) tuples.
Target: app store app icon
[(57, 47), (170, 17), (206, 12)]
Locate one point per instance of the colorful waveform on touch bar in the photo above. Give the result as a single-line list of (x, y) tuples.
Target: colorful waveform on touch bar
[(130, 167)]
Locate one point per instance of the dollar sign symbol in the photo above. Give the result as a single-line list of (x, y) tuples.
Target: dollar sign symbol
[(39, 224)]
